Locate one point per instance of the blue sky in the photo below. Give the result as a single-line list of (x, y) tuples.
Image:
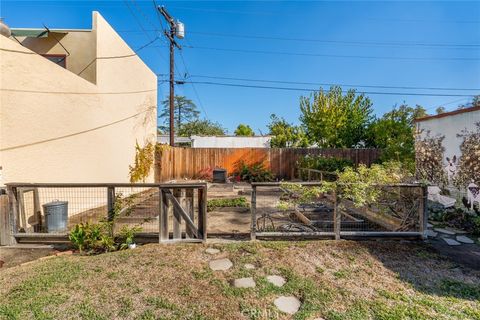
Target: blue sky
[(414, 44)]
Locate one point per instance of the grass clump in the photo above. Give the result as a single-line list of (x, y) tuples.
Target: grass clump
[(239, 202)]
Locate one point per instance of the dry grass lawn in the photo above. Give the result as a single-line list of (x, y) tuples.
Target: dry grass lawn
[(334, 280)]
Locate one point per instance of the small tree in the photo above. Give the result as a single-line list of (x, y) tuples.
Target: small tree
[(333, 119), (201, 128), (286, 135), (394, 134), (440, 110), (244, 131), (184, 111)]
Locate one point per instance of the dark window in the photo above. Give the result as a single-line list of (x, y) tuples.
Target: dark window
[(59, 59)]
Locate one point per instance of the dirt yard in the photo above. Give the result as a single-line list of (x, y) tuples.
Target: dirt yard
[(333, 280)]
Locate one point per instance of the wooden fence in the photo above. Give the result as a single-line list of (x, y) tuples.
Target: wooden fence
[(192, 163)]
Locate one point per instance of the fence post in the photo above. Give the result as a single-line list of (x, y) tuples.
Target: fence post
[(11, 217), (177, 219), (337, 217), (253, 210), (189, 209), (202, 212), (111, 202), (423, 212), (164, 234)]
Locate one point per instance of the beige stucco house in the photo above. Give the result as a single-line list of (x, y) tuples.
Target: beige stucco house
[(73, 104)]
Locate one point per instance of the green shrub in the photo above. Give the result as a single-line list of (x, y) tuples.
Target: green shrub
[(324, 164), (240, 202), (255, 172)]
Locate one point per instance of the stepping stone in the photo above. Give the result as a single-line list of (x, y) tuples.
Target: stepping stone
[(276, 280), (464, 239), (429, 225), (244, 283), (445, 231), (451, 242), (431, 233), (220, 264), (457, 231), (212, 251), (288, 305), (249, 266)]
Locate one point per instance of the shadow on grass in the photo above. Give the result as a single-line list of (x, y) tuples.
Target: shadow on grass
[(421, 265)]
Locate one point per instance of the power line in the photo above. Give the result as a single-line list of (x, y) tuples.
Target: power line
[(314, 90), (332, 55), (331, 84), (323, 18), (365, 43), (193, 87), (473, 46)]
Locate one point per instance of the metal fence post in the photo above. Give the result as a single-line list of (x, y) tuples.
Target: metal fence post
[(337, 217), (253, 210), (111, 202), (202, 212), (163, 220), (423, 212)]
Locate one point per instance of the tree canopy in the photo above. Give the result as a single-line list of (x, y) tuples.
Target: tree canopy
[(244, 130), (201, 128), (286, 135), (333, 119), (185, 111), (394, 134)]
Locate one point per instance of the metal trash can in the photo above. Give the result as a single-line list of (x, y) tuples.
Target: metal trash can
[(56, 216)]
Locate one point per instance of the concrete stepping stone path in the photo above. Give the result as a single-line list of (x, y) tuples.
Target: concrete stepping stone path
[(220, 264), (464, 239), (244, 283), (249, 266), (451, 242), (276, 280), (288, 305), (212, 251)]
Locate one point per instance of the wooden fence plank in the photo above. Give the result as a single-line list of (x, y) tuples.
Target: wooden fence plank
[(187, 163)]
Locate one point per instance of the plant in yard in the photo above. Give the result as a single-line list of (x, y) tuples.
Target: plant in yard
[(240, 202), (99, 237), (429, 159), (255, 172), (127, 234), (144, 158)]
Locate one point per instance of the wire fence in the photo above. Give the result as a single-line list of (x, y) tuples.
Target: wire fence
[(286, 210), (171, 211)]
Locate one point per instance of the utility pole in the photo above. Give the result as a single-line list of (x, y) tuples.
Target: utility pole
[(176, 29)]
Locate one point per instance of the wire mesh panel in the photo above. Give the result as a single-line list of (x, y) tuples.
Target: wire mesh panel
[(394, 209), (307, 209), (176, 211), (282, 209)]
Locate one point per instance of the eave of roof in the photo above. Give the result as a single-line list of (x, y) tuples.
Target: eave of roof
[(447, 114)]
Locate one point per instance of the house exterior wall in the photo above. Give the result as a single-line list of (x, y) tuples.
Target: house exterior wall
[(56, 126), (81, 46), (231, 142)]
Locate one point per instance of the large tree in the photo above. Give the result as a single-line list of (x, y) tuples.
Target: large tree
[(244, 130), (394, 133), (201, 128), (334, 119), (184, 111), (286, 135)]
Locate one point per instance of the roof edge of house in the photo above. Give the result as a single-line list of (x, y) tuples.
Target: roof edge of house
[(446, 114)]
